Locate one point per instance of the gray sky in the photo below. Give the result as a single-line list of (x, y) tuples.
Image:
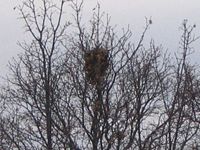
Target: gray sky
[(167, 16)]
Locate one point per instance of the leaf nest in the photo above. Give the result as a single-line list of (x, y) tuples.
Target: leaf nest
[(96, 65)]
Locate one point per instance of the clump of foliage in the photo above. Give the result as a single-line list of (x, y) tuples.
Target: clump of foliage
[(96, 65)]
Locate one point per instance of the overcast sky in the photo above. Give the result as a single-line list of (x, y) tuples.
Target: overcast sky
[(167, 16)]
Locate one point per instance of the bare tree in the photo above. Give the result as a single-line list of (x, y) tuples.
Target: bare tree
[(182, 109), (35, 86), (94, 89)]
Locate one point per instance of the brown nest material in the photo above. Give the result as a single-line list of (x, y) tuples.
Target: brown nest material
[(96, 65)]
